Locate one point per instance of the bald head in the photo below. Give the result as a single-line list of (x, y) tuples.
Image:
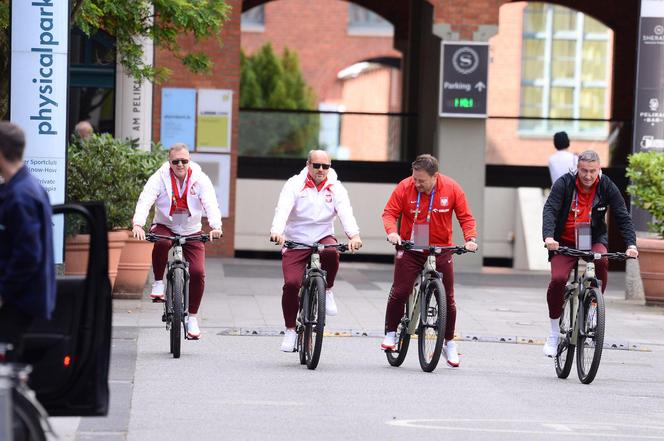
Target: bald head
[(318, 165), (84, 130)]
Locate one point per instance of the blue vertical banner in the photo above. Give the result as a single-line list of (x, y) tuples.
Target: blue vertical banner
[(39, 80), (178, 117)]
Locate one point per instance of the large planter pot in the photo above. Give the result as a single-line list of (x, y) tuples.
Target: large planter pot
[(77, 248), (135, 264), (651, 261)]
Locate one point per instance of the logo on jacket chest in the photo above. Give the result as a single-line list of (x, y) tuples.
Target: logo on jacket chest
[(328, 197), (193, 190)]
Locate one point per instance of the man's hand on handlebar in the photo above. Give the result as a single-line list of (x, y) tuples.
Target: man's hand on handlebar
[(394, 238), (216, 234), (355, 243), (471, 246), (138, 232), (279, 239), (632, 252), (551, 244)]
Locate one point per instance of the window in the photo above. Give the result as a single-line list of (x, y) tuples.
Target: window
[(253, 20), (565, 62), (362, 21)]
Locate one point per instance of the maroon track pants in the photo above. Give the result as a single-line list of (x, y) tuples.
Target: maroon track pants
[(407, 267), (560, 269), (293, 263), (194, 253)]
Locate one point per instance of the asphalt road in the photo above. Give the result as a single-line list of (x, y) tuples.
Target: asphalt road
[(243, 388)]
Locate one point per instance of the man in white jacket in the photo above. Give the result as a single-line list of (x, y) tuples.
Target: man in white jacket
[(305, 213), (181, 193)]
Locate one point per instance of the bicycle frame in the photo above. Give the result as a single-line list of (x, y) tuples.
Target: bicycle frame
[(580, 287), (176, 260), (414, 300)]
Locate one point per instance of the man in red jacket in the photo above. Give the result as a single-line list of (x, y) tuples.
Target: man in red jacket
[(425, 202)]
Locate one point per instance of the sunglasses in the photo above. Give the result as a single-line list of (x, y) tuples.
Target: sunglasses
[(180, 161), (318, 165)]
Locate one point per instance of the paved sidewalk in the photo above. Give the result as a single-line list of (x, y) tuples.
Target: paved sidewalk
[(243, 297)]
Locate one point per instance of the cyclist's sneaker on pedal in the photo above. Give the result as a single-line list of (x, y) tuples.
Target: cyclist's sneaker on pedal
[(551, 346), (451, 354), (389, 342), (330, 304), (288, 343), (193, 331), (157, 293)]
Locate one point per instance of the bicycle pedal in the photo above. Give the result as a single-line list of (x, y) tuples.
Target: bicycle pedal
[(158, 300), (164, 318)]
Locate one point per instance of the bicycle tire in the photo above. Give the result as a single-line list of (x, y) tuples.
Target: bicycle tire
[(26, 419), (315, 323), (395, 358), (434, 320), (565, 354), (591, 336), (299, 328), (177, 313)]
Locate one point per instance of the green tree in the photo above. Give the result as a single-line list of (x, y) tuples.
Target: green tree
[(128, 22), (268, 81)]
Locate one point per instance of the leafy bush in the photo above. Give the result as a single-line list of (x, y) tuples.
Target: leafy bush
[(268, 81), (646, 173), (102, 168)]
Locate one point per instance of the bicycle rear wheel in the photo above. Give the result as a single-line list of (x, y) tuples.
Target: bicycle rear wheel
[(315, 322), (433, 319), (591, 336), (26, 419), (565, 355), (176, 316)]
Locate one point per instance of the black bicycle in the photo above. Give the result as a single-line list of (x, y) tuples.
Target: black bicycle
[(583, 318), (425, 313), (310, 323), (176, 306), (27, 421)]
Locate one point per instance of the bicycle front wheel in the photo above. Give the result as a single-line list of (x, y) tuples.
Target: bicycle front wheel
[(591, 336), (27, 424), (565, 355), (176, 316), (433, 319), (315, 322), (396, 357)]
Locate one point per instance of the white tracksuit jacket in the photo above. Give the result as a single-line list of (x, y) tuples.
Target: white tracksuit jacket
[(201, 200), (307, 215)]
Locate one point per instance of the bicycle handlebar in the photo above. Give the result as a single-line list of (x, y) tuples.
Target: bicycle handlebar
[(199, 237), (410, 245), (567, 251), (342, 247)]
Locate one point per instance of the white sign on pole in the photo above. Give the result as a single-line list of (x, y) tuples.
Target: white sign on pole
[(38, 96), (218, 169)]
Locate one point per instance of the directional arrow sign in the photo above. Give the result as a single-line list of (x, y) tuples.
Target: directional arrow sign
[(463, 74)]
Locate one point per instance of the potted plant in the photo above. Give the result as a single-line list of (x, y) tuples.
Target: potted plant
[(646, 173), (114, 171)]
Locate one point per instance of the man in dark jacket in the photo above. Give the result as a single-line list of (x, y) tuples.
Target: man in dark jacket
[(577, 205), (27, 271)]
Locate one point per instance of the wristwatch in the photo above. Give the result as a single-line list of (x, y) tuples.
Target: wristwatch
[(472, 239)]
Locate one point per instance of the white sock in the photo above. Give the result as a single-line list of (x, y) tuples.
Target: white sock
[(391, 334), (555, 326), (158, 282)]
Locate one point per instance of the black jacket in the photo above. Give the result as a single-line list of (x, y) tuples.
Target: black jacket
[(560, 200), (27, 269)]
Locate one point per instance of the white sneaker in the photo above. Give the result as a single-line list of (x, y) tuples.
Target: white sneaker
[(389, 342), (591, 317), (193, 331), (330, 304), (451, 354), (550, 348), (289, 341), (157, 292)]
